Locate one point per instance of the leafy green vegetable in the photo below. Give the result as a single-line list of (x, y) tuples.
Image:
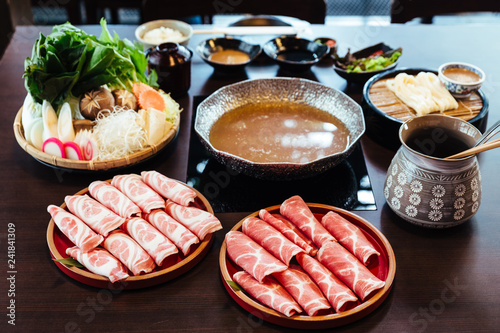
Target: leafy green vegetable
[(70, 262), (376, 61), (69, 62)]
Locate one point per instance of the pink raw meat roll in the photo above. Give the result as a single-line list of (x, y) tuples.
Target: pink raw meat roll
[(269, 292), (270, 239), (298, 232), (169, 188), (75, 229), (349, 269), (337, 293), (137, 191), (158, 246), (175, 231), (99, 218), (303, 289), (297, 211), (131, 254), (252, 257), (100, 262), (286, 230), (199, 221), (350, 236), (111, 197)]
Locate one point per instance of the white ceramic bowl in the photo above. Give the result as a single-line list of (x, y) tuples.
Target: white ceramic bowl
[(460, 89), (183, 27)]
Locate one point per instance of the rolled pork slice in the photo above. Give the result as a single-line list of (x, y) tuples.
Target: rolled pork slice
[(269, 292), (114, 199), (270, 239), (350, 236), (303, 289), (337, 293), (298, 232), (173, 230), (100, 262), (251, 257), (137, 191), (349, 269), (287, 231), (297, 211), (132, 255), (150, 239), (199, 221), (101, 219), (169, 188), (75, 229)]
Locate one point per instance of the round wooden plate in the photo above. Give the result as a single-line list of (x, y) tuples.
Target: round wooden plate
[(384, 269), (172, 267), (65, 163)]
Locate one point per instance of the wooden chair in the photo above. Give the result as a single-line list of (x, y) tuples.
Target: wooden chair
[(313, 11), (405, 10)]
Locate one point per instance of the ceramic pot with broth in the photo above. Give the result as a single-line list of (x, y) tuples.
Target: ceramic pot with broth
[(421, 186)]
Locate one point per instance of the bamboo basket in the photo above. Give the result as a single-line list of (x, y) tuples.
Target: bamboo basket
[(387, 102), (91, 165)]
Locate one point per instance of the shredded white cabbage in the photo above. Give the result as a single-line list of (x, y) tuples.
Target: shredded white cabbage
[(118, 134), (172, 108)]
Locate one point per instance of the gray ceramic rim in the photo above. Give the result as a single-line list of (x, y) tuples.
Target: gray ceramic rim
[(242, 93), (434, 117)]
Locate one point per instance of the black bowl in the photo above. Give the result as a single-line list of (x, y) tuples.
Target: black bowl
[(362, 77), (295, 54), (210, 46), (260, 20), (384, 129)]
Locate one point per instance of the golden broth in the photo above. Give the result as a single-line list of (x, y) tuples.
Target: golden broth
[(230, 57), (461, 75), (279, 132)]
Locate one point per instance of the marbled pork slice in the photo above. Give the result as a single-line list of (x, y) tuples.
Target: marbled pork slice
[(137, 191), (337, 293), (287, 231), (101, 219), (298, 232), (350, 236), (349, 269), (75, 229), (297, 211), (199, 221), (270, 239), (303, 289), (169, 188), (269, 292), (173, 230), (132, 255), (114, 199), (251, 257), (100, 262), (150, 239)]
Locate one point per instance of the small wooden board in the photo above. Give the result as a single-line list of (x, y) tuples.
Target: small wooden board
[(387, 102)]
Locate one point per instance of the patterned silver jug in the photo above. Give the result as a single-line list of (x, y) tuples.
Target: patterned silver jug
[(421, 186)]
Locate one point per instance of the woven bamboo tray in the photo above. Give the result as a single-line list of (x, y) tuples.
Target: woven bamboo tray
[(387, 102), (91, 165)]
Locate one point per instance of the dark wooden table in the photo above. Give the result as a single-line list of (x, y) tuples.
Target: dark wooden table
[(446, 280)]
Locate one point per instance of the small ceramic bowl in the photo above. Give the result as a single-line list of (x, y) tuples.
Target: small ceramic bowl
[(362, 77), (182, 27), (457, 86), (295, 54), (330, 42), (208, 48)]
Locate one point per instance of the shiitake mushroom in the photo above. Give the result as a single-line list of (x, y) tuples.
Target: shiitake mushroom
[(96, 101), (125, 98)]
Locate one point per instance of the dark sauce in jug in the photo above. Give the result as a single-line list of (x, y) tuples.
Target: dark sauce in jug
[(436, 142)]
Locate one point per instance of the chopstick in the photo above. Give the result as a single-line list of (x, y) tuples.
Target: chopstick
[(260, 30), (485, 146)]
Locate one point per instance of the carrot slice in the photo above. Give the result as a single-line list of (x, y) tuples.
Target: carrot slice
[(138, 88), (151, 99)]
